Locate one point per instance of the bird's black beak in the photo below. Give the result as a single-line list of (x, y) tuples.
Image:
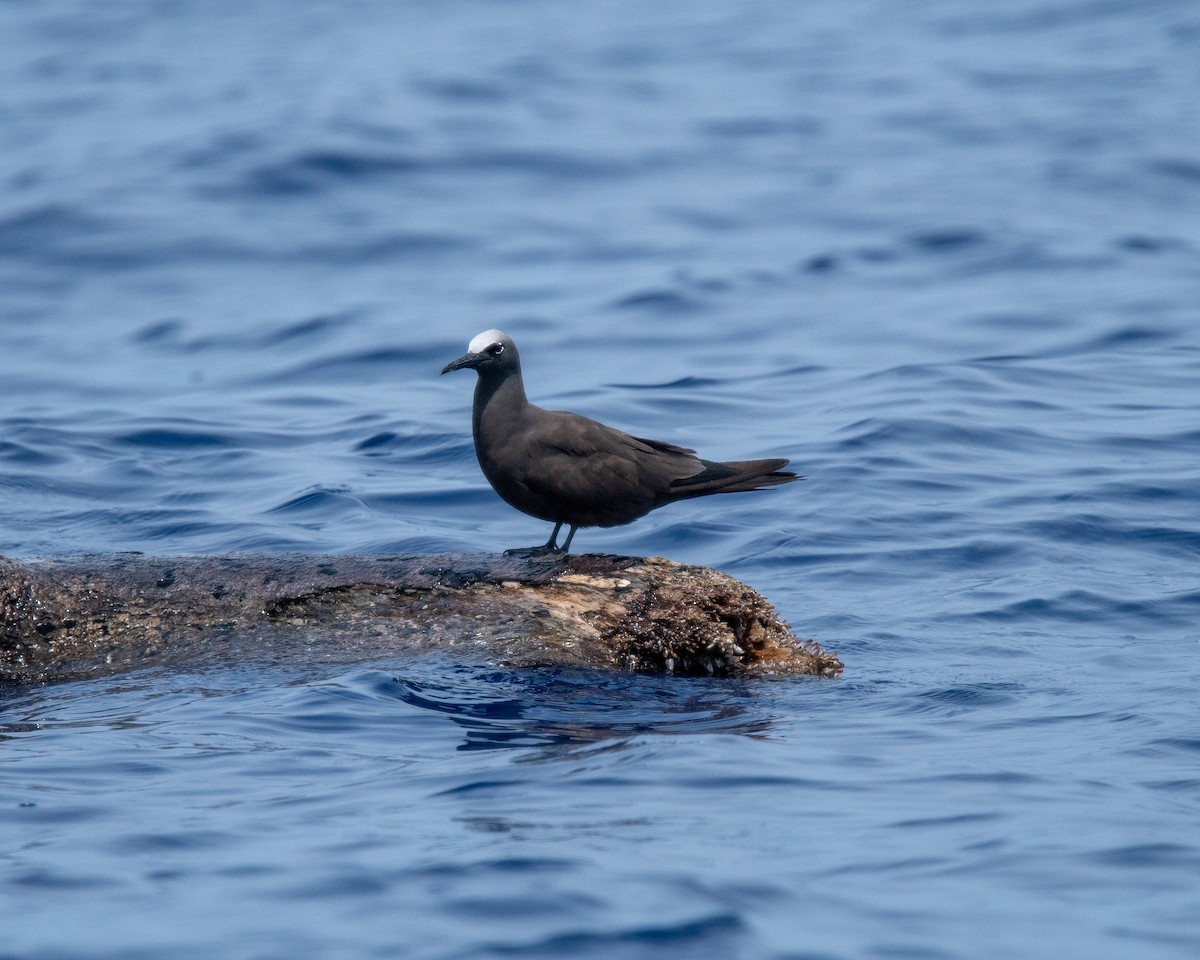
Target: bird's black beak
[(465, 362)]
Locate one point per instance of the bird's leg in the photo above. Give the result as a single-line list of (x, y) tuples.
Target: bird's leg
[(550, 546), (567, 543)]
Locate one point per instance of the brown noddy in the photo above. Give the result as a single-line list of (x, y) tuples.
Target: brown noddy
[(565, 468)]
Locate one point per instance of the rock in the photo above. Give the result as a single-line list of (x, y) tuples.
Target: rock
[(92, 616)]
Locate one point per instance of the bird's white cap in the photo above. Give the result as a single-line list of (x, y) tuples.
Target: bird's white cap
[(484, 340)]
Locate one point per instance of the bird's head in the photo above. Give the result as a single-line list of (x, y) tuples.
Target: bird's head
[(491, 354)]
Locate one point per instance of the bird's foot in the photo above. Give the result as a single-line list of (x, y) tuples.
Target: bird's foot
[(542, 550), (549, 548)]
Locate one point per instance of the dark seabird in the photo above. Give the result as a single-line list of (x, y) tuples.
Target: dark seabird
[(564, 468)]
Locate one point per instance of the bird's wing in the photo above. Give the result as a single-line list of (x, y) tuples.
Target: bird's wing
[(580, 460), (664, 447)]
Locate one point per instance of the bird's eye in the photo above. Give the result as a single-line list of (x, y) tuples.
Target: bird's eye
[(496, 349)]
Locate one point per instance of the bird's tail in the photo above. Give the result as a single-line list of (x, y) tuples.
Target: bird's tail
[(735, 476)]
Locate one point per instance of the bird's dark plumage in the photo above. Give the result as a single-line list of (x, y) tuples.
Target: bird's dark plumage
[(568, 469)]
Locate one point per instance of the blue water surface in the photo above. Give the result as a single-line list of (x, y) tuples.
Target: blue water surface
[(944, 255)]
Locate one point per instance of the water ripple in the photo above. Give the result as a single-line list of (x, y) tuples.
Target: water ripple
[(555, 708)]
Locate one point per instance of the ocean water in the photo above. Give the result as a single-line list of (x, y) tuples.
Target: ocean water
[(944, 255)]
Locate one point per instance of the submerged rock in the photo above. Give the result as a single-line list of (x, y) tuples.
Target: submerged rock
[(94, 615)]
